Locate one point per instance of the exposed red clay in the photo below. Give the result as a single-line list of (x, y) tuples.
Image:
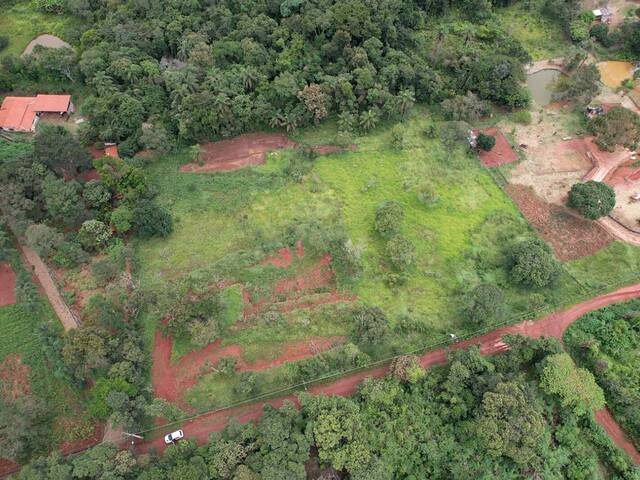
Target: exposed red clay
[(170, 381), (501, 153), (246, 150), (7, 285), (553, 325)]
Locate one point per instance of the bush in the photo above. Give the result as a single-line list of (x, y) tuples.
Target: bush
[(600, 32), (523, 117), (69, 254), (4, 42), (96, 194), (43, 239), (406, 369), (592, 199), (532, 263), (151, 220), (397, 136), (619, 126), (486, 142), (104, 271), (485, 304), (122, 219), (401, 252), (389, 217), (465, 107), (246, 384), (94, 235), (427, 194), (370, 325)]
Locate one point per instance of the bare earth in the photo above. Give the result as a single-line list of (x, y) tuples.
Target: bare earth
[(46, 40)]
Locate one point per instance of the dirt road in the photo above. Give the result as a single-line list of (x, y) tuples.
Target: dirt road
[(620, 231), (553, 325), (41, 272)]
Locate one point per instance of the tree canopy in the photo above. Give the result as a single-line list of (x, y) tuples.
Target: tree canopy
[(592, 199)]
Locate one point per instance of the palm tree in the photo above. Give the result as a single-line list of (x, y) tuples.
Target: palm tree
[(406, 101), (249, 79), (368, 119)]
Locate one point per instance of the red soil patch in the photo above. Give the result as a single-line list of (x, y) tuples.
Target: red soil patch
[(571, 236), (8, 467), (246, 150), (88, 175), (7, 285), (67, 448), (553, 325), (624, 173), (608, 423), (14, 378), (238, 152), (501, 153), (170, 381)]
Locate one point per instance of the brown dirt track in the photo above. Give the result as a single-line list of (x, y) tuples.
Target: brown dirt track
[(553, 325), (571, 236), (7, 285), (14, 378)]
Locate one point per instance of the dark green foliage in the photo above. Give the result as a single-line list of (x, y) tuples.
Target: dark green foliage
[(532, 263), (4, 43), (98, 406), (389, 217), (24, 427), (592, 199), (619, 126), (69, 254), (104, 312), (600, 31), (468, 108), (59, 150), (62, 201), (370, 325), (606, 342), (96, 194), (581, 86), (401, 252), (246, 384), (486, 142), (151, 220), (485, 304)]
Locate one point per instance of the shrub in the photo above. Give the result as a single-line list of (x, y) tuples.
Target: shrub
[(389, 217), (370, 325), (486, 142), (465, 107), (69, 254), (600, 32), (4, 42), (397, 136), (104, 270), (43, 239), (427, 194), (94, 235), (485, 304), (246, 384), (122, 219), (619, 126), (523, 117), (532, 263), (151, 220), (592, 199), (96, 194), (227, 366), (406, 369), (401, 252)]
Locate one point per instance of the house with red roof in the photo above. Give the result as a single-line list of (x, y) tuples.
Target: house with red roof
[(21, 114)]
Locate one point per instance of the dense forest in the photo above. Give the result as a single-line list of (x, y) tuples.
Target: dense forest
[(517, 415), (195, 70)]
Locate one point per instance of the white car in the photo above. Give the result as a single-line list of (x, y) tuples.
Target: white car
[(170, 438)]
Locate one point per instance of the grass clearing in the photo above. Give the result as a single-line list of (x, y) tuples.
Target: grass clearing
[(21, 22)]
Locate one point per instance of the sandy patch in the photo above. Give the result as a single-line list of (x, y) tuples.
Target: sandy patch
[(47, 41), (614, 73)]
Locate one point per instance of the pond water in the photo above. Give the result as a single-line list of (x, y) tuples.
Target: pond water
[(540, 85)]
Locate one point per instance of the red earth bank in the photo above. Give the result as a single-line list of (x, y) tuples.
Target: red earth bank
[(7, 285), (501, 153)]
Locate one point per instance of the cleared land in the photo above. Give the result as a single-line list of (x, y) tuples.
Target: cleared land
[(7, 285)]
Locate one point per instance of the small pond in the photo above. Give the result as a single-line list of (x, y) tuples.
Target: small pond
[(540, 84)]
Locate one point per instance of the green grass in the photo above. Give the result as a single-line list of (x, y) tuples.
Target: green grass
[(22, 23), (540, 36), (225, 223), (19, 326)]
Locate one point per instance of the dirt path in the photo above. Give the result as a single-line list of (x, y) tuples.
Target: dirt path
[(606, 421), (7, 285), (553, 325), (620, 231), (41, 272)]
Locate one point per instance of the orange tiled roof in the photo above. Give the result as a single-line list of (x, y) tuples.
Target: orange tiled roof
[(111, 151), (52, 103), (17, 113)]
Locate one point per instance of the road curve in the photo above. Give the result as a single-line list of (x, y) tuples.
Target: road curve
[(553, 325)]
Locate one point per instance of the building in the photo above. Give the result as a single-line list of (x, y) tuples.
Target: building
[(21, 114), (603, 14)]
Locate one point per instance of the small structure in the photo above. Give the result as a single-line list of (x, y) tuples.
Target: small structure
[(596, 110), (21, 114), (603, 14), (111, 150)]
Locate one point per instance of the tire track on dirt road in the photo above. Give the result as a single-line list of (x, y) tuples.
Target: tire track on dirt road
[(553, 325)]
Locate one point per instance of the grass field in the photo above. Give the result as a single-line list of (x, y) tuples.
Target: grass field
[(19, 326), (22, 23), (223, 219), (539, 35)]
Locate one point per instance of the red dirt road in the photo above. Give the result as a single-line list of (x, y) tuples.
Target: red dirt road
[(553, 325), (606, 421), (7, 285)]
